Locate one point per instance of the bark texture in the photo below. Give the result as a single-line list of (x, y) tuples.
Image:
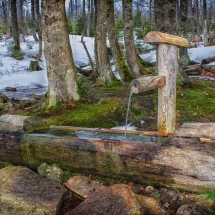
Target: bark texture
[(102, 61), (130, 50), (5, 7), (165, 16), (118, 60), (33, 20), (39, 26), (15, 28), (59, 60)]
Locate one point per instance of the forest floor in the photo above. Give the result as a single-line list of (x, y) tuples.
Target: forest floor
[(106, 106)]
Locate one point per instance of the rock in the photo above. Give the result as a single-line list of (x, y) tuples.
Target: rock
[(193, 209), (115, 200), (34, 124), (52, 172), (151, 204), (23, 191), (83, 186), (149, 189), (10, 89)]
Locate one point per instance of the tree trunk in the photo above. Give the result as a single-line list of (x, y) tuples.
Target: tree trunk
[(15, 28), (205, 24), (33, 20), (130, 50), (39, 26), (102, 64), (62, 76), (22, 26), (118, 60), (88, 18), (34, 66), (5, 7), (184, 59), (165, 16), (76, 10)]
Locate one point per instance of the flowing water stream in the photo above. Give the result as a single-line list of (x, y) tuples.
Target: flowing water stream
[(129, 102)]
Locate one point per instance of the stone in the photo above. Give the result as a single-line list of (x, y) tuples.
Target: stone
[(23, 191), (151, 204), (83, 186), (114, 200), (52, 172), (193, 209)]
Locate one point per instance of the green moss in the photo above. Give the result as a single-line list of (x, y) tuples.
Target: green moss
[(107, 114), (196, 104), (128, 76)]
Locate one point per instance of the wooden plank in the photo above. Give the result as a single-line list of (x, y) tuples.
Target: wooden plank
[(148, 83), (202, 130), (156, 38), (168, 67)]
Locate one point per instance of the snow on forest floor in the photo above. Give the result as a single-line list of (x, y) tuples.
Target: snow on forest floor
[(14, 73)]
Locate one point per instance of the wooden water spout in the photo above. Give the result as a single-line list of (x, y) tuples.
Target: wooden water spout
[(167, 62)]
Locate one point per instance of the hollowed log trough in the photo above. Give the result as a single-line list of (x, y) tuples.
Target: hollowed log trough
[(184, 160)]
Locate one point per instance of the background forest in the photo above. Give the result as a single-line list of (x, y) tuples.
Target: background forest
[(118, 27)]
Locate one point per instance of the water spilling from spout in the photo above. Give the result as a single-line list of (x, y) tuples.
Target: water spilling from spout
[(129, 102)]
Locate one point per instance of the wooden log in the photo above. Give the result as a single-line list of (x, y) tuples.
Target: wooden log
[(180, 161), (193, 70), (34, 66), (208, 68), (207, 60), (157, 38), (168, 67), (12, 128), (148, 83)]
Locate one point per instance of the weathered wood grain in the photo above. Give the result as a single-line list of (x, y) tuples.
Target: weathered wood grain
[(193, 70), (184, 160), (168, 67), (148, 83), (157, 38)]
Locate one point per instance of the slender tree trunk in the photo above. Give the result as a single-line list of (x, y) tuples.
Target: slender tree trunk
[(33, 20), (150, 12), (39, 26), (21, 20), (130, 49), (84, 19), (15, 28), (88, 18), (59, 60), (5, 7), (103, 66), (197, 16), (178, 14), (205, 24), (184, 59), (119, 62), (76, 9)]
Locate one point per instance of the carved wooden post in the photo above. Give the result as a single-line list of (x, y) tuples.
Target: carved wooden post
[(167, 66)]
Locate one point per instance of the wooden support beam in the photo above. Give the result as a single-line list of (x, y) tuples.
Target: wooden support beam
[(167, 62), (148, 83)]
